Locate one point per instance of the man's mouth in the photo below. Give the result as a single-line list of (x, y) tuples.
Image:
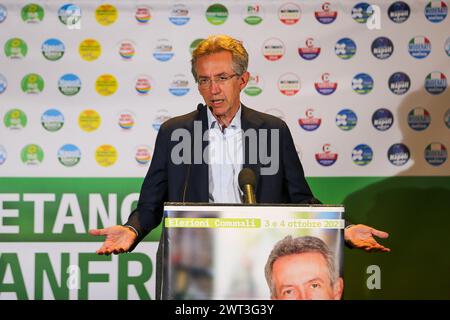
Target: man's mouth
[(217, 102)]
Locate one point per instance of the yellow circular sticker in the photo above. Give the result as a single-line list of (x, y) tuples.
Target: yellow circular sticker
[(90, 49), (106, 85), (106, 14), (106, 155), (89, 120)]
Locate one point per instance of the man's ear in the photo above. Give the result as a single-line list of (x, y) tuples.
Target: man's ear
[(244, 79), (338, 289)]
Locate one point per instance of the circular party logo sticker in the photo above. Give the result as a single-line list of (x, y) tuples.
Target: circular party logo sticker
[(447, 46), (361, 12), (326, 86), (289, 84), (162, 116), (179, 15), (69, 155), (3, 84), (217, 14), (289, 13), (325, 13), (143, 14), (436, 11), (253, 14), (399, 12), (143, 155), (106, 14), (89, 120), (362, 155), (447, 118), (254, 86), (106, 85), (310, 122), (419, 47), (15, 119), (362, 83), (32, 154), (3, 13), (69, 84), (419, 119), (53, 49), (69, 14), (127, 50), (435, 154), (15, 48), (3, 155), (90, 50), (32, 13), (398, 154), (436, 83), (143, 84), (126, 120), (345, 48), (179, 85), (194, 45), (273, 49), (52, 120), (106, 155), (382, 48), (346, 119), (382, 119), (163, 50), (32, 84), (327, 157), (310, 49), (399, 83)]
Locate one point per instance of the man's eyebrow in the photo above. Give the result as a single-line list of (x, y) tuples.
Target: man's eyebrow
[(316, 280), (216, 75)]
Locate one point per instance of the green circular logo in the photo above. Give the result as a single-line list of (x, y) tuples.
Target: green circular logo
[(253, 14), (217, 14), (15, 119), (32, 13), (15, 48), (254, 86), (194, 45), (32, 154), (32, 83)]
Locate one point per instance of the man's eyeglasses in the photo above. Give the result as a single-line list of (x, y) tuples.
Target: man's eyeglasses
[(222, 79)]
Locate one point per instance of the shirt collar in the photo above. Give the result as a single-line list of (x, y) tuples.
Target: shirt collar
[(235, 123)]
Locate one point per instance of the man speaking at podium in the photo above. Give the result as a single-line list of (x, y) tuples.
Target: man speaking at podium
[(193, 174)]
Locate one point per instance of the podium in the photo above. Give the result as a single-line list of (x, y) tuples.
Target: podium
[(214, 251)]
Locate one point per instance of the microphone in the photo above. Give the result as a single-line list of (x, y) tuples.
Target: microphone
[(200, 106), (247, 182)]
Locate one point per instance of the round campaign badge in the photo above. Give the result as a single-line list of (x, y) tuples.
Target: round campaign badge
[(69, 14), (3, 83), (106, 85), (217, 14), (69, 155), (106, 155), (52, 120), (289, 13), (310, 49), (162, 116), (273, 49), (253, 14), (345, 48), (362, 83), (361, 12), (447, 118), (69, 84), (447, 46), (126, 120), (15, 48), (419, 119), (325, 13), (3, 13), (325, 86), (15, 119), (3, 155), (362, 155), (194, 45), (382, 119), (32, 154), (327, 157), (382, 48), (399, 12), (179, 86), (53, 49), (435, 83), (89, 120), (106, 14), (399, 83), (143, 14), (143, 84), (179, 14), (143, 155), (90, 49), (419, 47), (310, 122), (163, 50), (32, 83), (398, 154), (127, 50), (435, 154), (346, 119), (32, 13), (254, 86), (436, 11), (289, 84)]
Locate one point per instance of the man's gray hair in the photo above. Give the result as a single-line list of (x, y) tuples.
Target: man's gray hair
[(289, 246)]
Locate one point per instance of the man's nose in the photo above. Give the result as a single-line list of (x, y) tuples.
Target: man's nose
[(214, 87)]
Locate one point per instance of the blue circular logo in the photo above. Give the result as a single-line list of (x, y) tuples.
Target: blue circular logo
[(382, 119), (419, 119), (3, 155), (53, 49), (382, 48), (361, 12), (3, 13), (447, 118), (362, 83), (69, 84), (179, 15), (3, 84), (325, 14), (419, 47), (179, 85), (436, 82), (69, 14), (362, 154), (345, 48), (399, 12), (436, 11), (69, 155), (435, 154), (399, 83), (398, 154), (346, 119), (52, 120), (163, 51), (447, 46)]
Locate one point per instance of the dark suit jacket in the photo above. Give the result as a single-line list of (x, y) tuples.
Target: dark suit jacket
[(166, 181)]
